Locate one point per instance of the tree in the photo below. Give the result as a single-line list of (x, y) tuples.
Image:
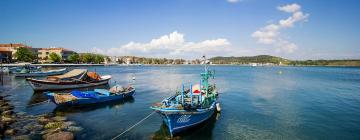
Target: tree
[(24, 54), (98, 59), (74, 58), (87, 58), (54, 57)]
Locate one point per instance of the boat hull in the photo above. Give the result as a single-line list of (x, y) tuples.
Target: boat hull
[(180, 121), (41, 74), (86, 101), (43, 85)]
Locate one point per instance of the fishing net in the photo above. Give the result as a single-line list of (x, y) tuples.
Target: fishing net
[(64, 98), (94, 75)]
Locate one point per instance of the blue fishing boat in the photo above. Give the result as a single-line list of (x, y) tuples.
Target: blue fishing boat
[(189, 107), (78, 98)]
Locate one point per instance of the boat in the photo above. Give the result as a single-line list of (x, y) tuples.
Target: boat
[(189, 107), (24, 69), (76, 78), (41, 73), (79, 98), (4, 70)]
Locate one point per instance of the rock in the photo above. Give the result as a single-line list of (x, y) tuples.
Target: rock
[(74, 128), (21, 137), (69, 123), (7, 120), (22, 131), (59, 118), (53, 125), (10, 132), (7, 113), (34, 127), (3, 103), (5, 108), (60, 136), (43, 120)]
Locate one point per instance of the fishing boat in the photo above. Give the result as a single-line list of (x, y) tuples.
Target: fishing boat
[(189, 107), (41, 73), (77, 78), (25, 69), (78, 98)]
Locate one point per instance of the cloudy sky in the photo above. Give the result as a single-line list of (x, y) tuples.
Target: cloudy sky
[(308, 29)]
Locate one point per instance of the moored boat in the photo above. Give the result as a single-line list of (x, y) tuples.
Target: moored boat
[(77, 78), (189, 107), (41, 73), (78, 98), (25, 69)]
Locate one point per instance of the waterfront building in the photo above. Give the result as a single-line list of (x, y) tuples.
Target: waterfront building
[(43, 53), (7, 51)]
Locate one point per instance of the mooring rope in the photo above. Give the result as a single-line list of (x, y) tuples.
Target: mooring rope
[(133, 126)]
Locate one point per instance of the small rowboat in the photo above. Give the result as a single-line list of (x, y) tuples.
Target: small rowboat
[(78, 98), (77, 78), (41, 73)]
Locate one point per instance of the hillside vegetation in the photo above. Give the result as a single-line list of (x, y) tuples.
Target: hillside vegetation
[(267, 59)]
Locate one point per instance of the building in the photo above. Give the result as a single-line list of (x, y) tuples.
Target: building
[(43, 53), (7, 51)]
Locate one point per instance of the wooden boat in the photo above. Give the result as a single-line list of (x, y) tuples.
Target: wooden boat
[(189, 107), (41, 73), (77, 78), (78, 98), (24, 69)]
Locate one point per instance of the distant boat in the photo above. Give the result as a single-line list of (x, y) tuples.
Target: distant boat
[(189, 107), (78, 98), (77, 78), (41, 73), (4, 70), (25, 69)]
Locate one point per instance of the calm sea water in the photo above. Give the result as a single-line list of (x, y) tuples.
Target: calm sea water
[(257, 103)]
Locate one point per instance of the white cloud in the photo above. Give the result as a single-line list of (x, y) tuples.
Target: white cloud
[(233, 1), (172, 45), (291, 8), (270, 34)]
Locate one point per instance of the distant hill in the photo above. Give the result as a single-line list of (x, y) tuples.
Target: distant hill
[(264, 59), (249, 59)]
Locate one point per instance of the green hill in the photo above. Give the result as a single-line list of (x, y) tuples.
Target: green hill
[(264, 59), (249, 59)]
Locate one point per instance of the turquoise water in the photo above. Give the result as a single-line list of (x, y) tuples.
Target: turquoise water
[(256, 102)]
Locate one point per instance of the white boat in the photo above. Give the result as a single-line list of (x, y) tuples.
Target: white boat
[(42, 73), (77, 78)]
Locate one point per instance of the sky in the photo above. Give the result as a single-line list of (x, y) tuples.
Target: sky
[(294, 29)]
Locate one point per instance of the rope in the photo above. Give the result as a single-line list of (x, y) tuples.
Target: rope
[(133, 126)]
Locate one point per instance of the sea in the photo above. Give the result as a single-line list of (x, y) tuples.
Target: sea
[(263, 102)]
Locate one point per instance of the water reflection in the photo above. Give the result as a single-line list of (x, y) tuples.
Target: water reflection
[(81, 109), (202, 131)]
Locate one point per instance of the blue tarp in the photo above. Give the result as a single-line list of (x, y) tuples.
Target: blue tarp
[(88, 94)]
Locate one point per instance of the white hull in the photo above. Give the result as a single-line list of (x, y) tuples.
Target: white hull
[(45, 86), (39, 74)]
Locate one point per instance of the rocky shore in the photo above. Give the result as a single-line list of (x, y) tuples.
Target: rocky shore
[(19, 125)]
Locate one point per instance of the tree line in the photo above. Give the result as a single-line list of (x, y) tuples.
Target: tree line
[(26, 55), (144, 60)]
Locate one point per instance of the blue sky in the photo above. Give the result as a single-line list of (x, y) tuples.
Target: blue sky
[(325, 29)]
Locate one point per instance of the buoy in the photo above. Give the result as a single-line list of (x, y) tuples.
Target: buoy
[(218, 107)]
